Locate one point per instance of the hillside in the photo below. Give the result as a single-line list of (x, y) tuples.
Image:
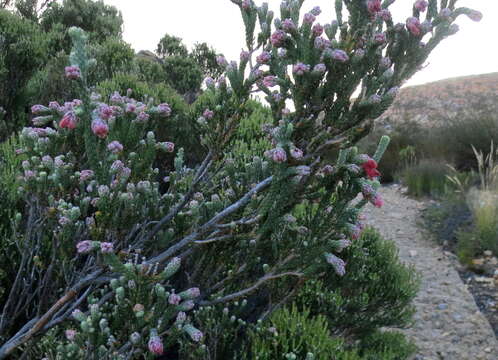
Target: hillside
[(445, 99)]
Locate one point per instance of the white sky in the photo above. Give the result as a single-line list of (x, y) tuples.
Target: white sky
[(473, 50)]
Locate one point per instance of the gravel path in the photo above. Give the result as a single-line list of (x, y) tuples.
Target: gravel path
[(448, 324)]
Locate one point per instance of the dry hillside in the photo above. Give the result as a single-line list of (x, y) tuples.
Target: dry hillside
[(445, 99)]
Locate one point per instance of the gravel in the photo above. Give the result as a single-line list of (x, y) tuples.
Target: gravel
[(448, 324)]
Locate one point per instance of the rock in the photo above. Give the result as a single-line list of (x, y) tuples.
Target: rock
[(442, 306), (413, 253), (483, 279), (488, 253), (478, 262)]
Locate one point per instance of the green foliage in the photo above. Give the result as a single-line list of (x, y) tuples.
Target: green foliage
[(294, 334), (23, 50), (50, 84), (376, 290), (113, 56), (180, 124), (182, 73), (386, 345), (99, 20), (149, 70), (205, 57), (170, 45), (459, 135), (427, 178)]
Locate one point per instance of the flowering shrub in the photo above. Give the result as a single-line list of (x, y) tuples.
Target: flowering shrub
[(105, 221)]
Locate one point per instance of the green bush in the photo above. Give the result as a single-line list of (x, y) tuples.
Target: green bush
[(427, 178), (24, 49), (113, 56), (99, 20), (294, 334), (386, 345), (179, 125), (376, 291), (459, 135)]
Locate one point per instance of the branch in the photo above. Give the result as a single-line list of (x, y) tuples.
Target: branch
[(250, 289), (211, 223)]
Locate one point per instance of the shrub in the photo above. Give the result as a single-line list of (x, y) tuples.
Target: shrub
[(104, 214), (386, 345), (293, 334), (376, 292), (459, 135), (484, 207), (99, 20), (23, 50), (427, 178)]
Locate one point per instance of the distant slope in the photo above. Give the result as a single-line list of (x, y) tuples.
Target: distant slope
[(434, 102)]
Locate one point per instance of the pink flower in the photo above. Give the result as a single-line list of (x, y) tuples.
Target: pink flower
[(374, 6), (370, 167), (143, 116), (169, 146), (475, 15), (339, 55), (70, 334), (413, 25), (309, 18), (377, 201), (288, 25), (269, 81), (164, 109), (221, 61), (86, 174), (68, 121), (338, 264), (278, 155), (385, 14), (72, 72), (39, 109), (174, 299), (100, 128), (106, 247), (317, 30), (277, 38), (379, 38), (300, 68), (421, 5), (130, 108), (190, 294), (296, 153), (316, 11), (208, 114), (105, 112), (156, 345), (115, 147), (322, 43), (84, 247), (263, 58), (195, 334), (246, 4)]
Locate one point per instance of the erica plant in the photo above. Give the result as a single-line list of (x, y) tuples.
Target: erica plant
[(120, 240)]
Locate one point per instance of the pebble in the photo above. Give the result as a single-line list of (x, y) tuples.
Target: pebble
[(448, 325)]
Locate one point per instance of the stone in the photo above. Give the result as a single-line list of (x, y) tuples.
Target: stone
[(488, 253), (442, 306), (413, 253)]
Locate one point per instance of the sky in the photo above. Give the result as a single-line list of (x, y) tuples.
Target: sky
[(473, 50)]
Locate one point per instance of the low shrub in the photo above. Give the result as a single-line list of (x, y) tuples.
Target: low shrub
[(294, 334), (376, 291), (427, 178), (484, 207)]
